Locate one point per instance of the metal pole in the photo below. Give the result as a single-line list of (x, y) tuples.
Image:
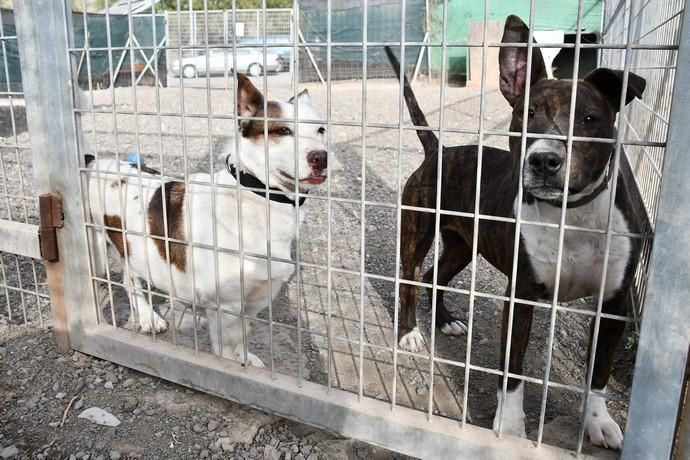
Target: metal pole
[(665, 332), (44, 29), (683, 447)]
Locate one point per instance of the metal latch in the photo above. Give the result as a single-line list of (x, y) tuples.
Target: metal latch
[(51, 217)]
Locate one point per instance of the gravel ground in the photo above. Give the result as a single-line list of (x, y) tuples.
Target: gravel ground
[(208, 137), (42, 392)]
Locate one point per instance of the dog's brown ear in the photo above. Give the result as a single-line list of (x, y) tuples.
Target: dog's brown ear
[(610, 84), (249, 99), (513, 61)]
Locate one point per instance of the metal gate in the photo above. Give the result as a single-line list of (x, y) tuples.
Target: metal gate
[(339, 365)]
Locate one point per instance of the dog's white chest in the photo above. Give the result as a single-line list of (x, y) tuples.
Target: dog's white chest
[(583, 252)]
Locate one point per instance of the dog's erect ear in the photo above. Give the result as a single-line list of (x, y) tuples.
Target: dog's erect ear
[(513, 61), (249, 99), (610, 84), (302, 96)]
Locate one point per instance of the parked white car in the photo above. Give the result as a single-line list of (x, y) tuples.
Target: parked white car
[(249, 61)]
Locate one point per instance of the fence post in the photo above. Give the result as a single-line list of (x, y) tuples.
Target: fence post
[(44, 30), (665, 334)]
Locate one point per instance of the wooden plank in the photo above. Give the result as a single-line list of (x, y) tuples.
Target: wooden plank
[(19, 238), (476, 35)]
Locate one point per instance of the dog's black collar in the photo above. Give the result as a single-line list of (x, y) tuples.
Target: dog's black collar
[(250, 180), (529, 198)]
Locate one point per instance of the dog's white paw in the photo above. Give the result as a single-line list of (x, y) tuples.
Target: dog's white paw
[(155, 324), (513, 424), (602, 430), (412, 341), (455, 327), (254, 361), (513, 414), (238, 355)]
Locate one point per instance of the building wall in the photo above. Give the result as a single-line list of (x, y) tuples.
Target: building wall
[(549, 15)]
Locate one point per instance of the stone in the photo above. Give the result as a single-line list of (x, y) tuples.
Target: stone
[(108, 385), (129, 404), (225, 444), (271, 453), (99, 416), (197, 428), (60, 395), (114, 455), (212, 425), (9, 452)]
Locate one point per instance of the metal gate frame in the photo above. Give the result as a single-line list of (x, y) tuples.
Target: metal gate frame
[(43, 27)]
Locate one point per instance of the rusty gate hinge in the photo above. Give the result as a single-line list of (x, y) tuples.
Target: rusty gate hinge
[(51, 217)]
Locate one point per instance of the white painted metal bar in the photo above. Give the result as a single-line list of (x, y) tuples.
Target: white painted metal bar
[(518, 215), (564, 209), (294, 75), (185, 173), (475, 217), (362, 196), (140, 183), (239, 188), (19, 238), (437, 219), (329, 201)]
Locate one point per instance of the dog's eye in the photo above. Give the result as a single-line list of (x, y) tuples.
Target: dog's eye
[(530, 114), (284, 131), (321, 130), (589, 118)]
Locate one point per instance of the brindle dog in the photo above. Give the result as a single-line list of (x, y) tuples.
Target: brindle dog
[(597, 102)]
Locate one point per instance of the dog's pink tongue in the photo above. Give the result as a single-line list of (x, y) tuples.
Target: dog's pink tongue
[(316, 180)]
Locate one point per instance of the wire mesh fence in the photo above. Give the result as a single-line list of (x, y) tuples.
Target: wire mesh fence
[(193, 196), (23, 293), (647, 120)]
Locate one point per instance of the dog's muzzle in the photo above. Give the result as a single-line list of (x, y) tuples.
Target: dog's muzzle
[(318, 162), (541, 174)]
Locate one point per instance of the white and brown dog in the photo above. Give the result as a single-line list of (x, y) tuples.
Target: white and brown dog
[(187, 214)]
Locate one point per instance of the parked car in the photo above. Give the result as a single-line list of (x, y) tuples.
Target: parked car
[(249, 61), (284, 51)]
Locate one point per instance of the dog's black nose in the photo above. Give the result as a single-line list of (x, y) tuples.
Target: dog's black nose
[(546, 163), (318, 159)]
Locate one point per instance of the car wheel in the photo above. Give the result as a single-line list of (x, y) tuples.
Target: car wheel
[(254, 70), (189, 71)]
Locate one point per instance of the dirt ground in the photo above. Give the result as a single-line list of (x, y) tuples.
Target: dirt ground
[(208, 137), (42, 392)]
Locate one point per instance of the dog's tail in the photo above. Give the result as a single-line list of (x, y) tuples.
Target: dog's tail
[(427, 138)]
